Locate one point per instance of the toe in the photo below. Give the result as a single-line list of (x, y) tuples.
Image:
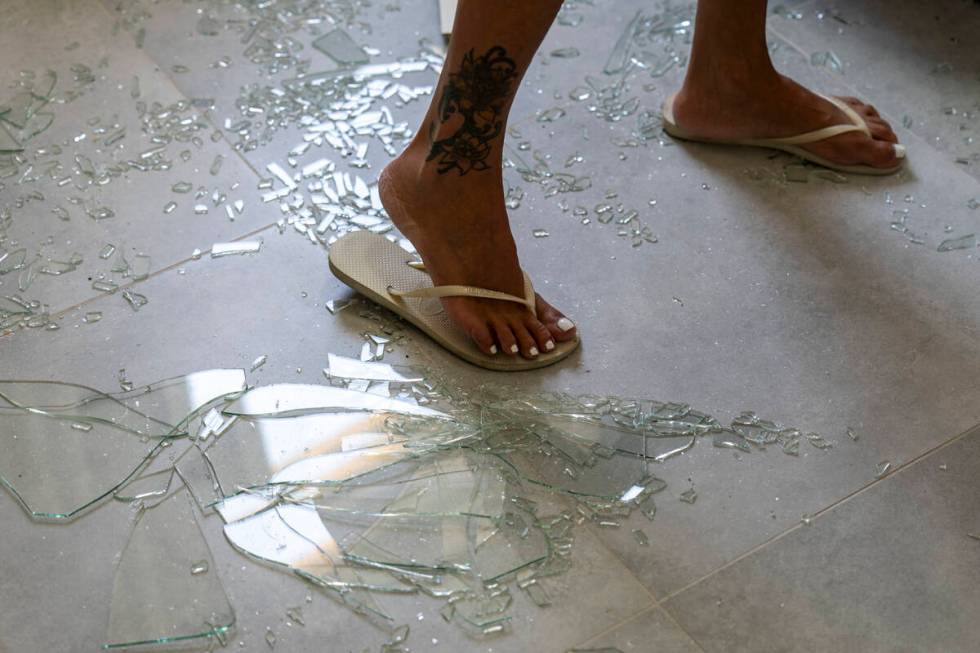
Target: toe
[(526, 342), (506, 340), (881, 130), (882, 154), (483, 337), (540, 333), (561, 328)]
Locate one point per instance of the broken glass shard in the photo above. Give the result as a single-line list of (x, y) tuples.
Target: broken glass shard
[(565, 53), (339, 46), (57, 470), (641, 537), (135, 300), (239, 247), (882, 468), (689, 496), (968, 241), (155, 601), (349, 368)]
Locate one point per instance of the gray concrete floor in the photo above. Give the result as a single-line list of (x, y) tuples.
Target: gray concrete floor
[(794, 300)]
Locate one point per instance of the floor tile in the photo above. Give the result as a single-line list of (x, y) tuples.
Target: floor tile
[(137, 198), (198, 318), (395, 30), (653, 631), (892, 569), (797, 301)]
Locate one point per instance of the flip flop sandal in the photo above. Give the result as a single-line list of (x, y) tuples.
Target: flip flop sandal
[(387, 275), (790, 143)]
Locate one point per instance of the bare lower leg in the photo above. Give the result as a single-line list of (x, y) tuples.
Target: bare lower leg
[(732, 90), (445, 192)]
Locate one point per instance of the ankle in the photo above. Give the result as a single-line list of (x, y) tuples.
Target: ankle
[(415, 165), (752, 76)]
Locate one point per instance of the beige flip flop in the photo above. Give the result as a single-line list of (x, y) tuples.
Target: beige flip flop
[(387, 275), (790, 143)]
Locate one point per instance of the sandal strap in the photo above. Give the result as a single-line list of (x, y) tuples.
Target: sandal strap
[(857, 124), (469, 291)]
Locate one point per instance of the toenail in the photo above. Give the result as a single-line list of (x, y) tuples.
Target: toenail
[(514, 349), (549, 345), (493, 349), (899, 151), (565, 324), (534, 351)]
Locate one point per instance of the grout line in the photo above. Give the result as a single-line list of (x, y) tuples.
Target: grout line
[(62, 312), (673, 619), (173, 82), (210, 120), (616, 626), (846, 498)]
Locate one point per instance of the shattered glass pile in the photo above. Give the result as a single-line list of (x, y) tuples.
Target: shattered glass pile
[(378, 484)]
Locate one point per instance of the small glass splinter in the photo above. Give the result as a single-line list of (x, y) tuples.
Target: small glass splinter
[(240, 247), (882, 468), (199, 567)]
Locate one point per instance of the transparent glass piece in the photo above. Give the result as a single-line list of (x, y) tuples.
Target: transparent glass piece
[(135, 300), (235, 248), (67, 446), (538, 594), (641, 537), (731, 440), (689, 496), (54, 469), (158, 598), (294, 538), (339, 46), (289, 399), (565, 53), (349, 368), (258, 362), (8, 143), (968, 241), (882, 468)]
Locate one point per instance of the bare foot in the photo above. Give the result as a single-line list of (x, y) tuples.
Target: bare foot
[(775, 106), (459, 225)]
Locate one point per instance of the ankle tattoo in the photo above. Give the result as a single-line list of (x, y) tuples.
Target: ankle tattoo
[(477, 93)]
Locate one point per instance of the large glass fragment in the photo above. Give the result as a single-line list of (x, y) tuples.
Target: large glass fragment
[(67, 446), (339, 46), (166, 591)]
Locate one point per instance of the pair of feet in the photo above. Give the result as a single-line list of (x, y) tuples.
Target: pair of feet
[(460, 227)]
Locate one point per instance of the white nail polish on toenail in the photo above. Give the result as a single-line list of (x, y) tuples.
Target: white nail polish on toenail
[(899, 151), (514, 349), (493, 349), (565, 324), (534, 351), (549, 345)]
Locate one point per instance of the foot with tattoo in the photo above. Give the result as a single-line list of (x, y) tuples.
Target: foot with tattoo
[(445, 193)]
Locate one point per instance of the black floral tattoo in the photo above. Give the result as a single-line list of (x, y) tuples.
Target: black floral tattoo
[(477, 93)]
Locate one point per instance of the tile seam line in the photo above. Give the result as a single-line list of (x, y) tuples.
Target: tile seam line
[(846, 498), (173, 83), (64, 311), (636, 615), (649, 609)]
